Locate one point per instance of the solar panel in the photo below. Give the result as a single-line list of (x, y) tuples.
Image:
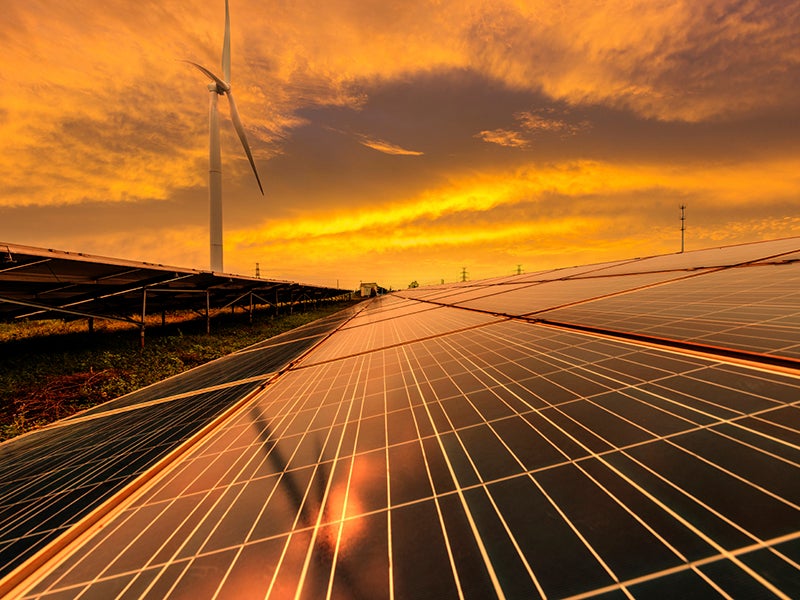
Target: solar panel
[(400, 329), (773, 251), (41, 283), (439, 451), (754, 308), (492, 457), (50, 478), (531, 298)]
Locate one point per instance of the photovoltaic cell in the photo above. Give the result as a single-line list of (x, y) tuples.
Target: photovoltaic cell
[(427, 451)]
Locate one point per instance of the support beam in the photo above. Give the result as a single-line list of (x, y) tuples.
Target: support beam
[(44, 308)]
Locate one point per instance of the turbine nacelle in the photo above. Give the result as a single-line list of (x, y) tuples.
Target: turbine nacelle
[(218, 85)]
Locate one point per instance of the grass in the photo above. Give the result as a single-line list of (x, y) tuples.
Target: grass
[(52, 369)]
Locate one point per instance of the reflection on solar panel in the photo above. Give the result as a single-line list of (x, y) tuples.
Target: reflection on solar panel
[(432, 447)]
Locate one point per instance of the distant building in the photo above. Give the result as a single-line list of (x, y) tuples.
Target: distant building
[(369, 289)]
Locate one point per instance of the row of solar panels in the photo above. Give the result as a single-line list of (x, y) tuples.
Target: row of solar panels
[(456, 441), (38, 283)]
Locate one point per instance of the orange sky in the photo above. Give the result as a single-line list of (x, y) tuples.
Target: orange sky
[(401, 140)]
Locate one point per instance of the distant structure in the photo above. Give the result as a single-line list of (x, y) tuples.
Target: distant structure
[(369, 290), (218, 87), (258, 273), (519, 269), (463, 273), (683, 225)]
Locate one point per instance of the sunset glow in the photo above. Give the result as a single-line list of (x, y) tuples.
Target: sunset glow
[(402, 141)]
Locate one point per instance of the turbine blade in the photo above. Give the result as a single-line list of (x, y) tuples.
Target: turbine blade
[(226, 47), (224, 87), (237, 124)]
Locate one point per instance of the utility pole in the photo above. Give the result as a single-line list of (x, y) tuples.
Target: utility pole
[(683, 225), (258, 271), (519, 269), (463, 273)]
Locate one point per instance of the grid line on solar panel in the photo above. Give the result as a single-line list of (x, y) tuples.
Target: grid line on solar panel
[(387, 421)]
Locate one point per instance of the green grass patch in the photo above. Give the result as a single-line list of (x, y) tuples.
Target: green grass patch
[(52, 369)]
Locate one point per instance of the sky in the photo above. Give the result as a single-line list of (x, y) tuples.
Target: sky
[(401, 140)]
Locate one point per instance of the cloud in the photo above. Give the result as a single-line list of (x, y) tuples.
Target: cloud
[(504, 137), (603, 188), (539, 121), (532, 123), (386, 147), (615, 105)]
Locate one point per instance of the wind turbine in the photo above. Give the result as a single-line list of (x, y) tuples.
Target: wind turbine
[(218, 87)]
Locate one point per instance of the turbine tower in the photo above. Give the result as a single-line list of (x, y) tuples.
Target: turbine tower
[(218, 87)]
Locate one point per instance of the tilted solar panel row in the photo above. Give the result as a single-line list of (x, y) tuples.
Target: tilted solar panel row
[(466, 441), (51, 478)]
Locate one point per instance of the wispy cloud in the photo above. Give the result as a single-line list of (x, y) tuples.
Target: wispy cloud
[(544, 121), (386, 147), (504, 137)]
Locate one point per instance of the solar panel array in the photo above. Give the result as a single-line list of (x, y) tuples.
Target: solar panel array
[(53, 477), (469, 441), (42, 283)]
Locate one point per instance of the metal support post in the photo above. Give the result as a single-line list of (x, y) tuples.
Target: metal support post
[(144, 314), (208, 311)]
